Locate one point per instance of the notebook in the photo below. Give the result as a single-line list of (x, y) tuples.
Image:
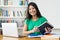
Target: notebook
[(10, 29), (32, 35)]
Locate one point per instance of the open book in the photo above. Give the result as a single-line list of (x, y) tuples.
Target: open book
[(43, 26)]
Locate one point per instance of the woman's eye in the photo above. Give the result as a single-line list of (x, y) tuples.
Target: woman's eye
[(32, 8), (29, 8)]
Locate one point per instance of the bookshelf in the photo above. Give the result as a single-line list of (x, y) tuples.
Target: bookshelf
[(13, 11)]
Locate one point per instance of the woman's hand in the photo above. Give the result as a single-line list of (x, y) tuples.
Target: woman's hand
[(48, 30), (35, 29)]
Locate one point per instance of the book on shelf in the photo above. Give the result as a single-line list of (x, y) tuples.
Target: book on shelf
[(18, 14), (10, 2), (1, 2), (21, 13), (23, 2), (26, 2), (6, 12), (0, 12), (25, 13), (3, 12), (13, 13), (18, 21), (10, 13), (0, 23), (5, 2)]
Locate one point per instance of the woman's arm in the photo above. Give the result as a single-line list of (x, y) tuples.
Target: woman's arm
[(25, 32)]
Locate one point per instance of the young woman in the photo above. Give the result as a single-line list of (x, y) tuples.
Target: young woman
[(33, 19)]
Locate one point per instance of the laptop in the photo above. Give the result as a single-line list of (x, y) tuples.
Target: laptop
[(10, 29)]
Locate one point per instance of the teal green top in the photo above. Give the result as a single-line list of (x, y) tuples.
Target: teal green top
[(30, 23)]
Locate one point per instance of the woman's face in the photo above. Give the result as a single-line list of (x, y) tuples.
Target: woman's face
[(32, 10)]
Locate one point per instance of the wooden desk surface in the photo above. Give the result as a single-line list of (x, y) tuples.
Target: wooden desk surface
[(26, 38), (21, 38)]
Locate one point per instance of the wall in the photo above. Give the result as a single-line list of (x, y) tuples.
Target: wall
[(51, 10)]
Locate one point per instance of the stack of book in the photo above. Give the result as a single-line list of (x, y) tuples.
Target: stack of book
[(50, 37)]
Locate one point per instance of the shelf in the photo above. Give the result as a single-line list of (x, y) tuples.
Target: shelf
[(14, 10), (18, 28), (12, 17), (22, 6)]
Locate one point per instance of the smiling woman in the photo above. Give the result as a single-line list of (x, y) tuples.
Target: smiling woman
[(33, 20), (32, 10)]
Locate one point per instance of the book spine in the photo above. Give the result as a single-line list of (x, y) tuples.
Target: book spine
[(18, 13), (0, 12), (25, 13), (20, 2), (1, 2), (13, 13), (21, 13), (6, 12), (10, 13), (10, 2), (0, 23), (3, 12), (9, 20), (5, 2), (23, 2), (26, 2)]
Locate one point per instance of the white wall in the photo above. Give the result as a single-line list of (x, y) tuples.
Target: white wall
[(51, 10)]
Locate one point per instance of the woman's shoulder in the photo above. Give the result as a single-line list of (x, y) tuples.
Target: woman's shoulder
[(26, 20), (42, 18)]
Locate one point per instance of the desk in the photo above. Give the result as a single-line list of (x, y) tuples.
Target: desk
[(21, 38)]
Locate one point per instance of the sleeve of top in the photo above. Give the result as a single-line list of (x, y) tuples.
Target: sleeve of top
[(26, 21), (44, 19)]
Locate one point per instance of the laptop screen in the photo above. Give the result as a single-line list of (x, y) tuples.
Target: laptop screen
[(10, 29)]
